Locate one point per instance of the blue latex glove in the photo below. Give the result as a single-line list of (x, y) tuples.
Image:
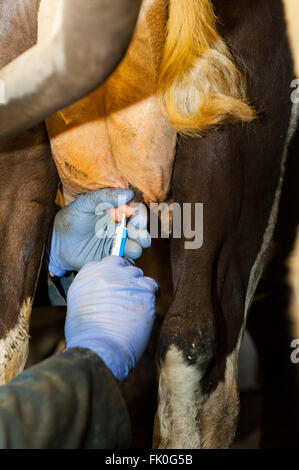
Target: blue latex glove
[(111, 310), (84, 230)]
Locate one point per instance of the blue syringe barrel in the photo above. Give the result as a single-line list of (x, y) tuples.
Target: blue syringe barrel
[(121, 232)]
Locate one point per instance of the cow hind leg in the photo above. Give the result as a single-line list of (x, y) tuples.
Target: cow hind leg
[(190, 418)]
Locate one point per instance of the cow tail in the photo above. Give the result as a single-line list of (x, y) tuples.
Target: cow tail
[(199, 84)]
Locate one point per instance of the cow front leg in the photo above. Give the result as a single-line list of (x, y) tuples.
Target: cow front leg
[(23, 237), (28, 184)]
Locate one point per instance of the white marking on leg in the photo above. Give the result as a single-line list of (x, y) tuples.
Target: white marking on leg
[(219, 412), (186, 419), (14, 347), (177, 411)]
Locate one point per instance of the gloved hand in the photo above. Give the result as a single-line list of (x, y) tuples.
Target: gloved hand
[(84, 230), (111, 310)]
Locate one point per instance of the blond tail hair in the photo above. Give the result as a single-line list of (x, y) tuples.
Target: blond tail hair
[(199, 85)]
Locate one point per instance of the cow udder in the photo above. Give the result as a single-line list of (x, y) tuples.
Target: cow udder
[(117, 136)]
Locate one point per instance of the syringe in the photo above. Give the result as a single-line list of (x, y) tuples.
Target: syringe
[(120, 237)]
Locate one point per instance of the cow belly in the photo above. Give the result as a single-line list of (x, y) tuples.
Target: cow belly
[(117, 136)]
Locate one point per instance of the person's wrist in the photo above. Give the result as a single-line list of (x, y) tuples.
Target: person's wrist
[(116, 357)]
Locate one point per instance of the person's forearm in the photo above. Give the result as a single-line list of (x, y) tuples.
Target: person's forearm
[(69, 401)]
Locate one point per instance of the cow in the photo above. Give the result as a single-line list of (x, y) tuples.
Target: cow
[(59, 63), (236, 171)]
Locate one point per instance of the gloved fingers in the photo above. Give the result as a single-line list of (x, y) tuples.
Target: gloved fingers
[(139, 219), (145, 284), (105, 227), (140, 236), (137, 226), (102, 207), (115, 197), (148, 284), (113, 261), (114, 266), (119, 267), (132, 249)]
